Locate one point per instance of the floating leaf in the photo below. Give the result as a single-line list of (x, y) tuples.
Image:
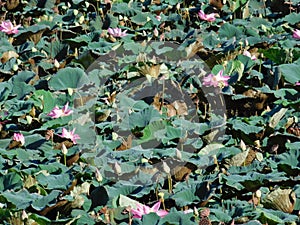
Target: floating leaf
[(68, 78)]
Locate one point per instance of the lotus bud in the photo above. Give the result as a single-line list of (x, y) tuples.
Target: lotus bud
[(75, 12), (144, 160), (29, 119), (56, 64), (101, 11), (50, 18), (178, 154), (148, 19), (114, 136), (121, 17), (243, 145), (37, 20), (64, 7), (68, 4), (19, 61), (155, 32), (87, 4), (178, 6), (166, 168), (258, 194), (76, 24), (98, 175), (161, 195), (64, 149), (257, 143), (24, 215), (33, 49), (118, 168), (81, 19), (125, 18), (70, 91), (196, 212), (45, 17), (15, 67)]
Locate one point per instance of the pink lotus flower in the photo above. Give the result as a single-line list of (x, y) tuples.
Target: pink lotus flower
[(297, 83), (7, 27), (247, 53), (56, 112), (19, 137), (69, 135), (296, 34), (143, 210), (117, 32), (208, 17), (216, 80)]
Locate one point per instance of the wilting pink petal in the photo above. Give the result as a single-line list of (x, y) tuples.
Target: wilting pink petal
[(70, 135), (19, 137), (9, 28), (216, 80), (144, 210), (117, 32), (56, 112), (247, 53), (207, 17), (296, 34)]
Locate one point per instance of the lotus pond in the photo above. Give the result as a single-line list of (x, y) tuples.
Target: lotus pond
[(149, 112)]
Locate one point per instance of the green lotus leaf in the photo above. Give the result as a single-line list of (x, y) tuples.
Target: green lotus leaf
[(20, 84), (68, 78), (43, 100), (61, 181), (82, 217), (274, 217), (16, 107), (185, 197), (289, 162), (124, 9), (44, 201), (290, 72), (10, 181), (292, 18), (140, 18), (229, 31), (21, 199), (41, 220), (5, 90), (151, 218), (56, 50), (218, 215)]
